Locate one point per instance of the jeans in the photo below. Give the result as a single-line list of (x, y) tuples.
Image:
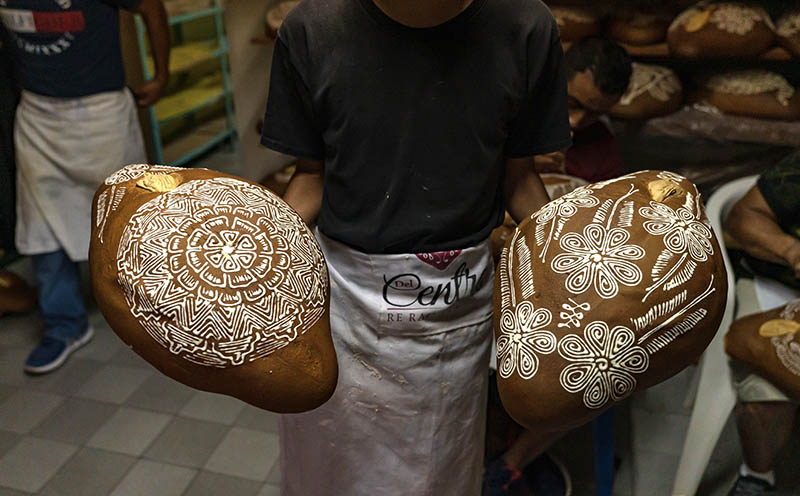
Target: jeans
[(60, 299)]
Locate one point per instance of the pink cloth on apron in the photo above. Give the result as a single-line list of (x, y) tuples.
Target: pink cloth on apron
[(412, 335)]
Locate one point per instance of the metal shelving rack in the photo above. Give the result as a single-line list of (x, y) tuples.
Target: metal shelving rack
[(204, 136)]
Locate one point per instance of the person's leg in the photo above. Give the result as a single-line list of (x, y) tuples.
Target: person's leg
[(62, 310), (764, 428), (528, 446)]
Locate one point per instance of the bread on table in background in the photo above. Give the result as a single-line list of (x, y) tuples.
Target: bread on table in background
[(768, 342), (653, 91), (575, 23), (639, 28), (752, 93), (216, 282), (788, 30), (722, 29), (608, 290)]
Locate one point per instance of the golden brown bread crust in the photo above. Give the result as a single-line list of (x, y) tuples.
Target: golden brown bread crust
[(273, 369), (654, 91), (575, 23), (15, 294), (776, 356), (728, 29), (639, 29), (604, 292)]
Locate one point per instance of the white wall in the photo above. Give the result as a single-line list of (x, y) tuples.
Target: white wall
[(249, 67)]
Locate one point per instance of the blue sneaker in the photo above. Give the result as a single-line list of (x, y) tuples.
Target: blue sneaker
[(53, 352)]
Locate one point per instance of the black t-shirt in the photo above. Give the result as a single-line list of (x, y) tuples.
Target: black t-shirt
[(65, 48), (414, 124)]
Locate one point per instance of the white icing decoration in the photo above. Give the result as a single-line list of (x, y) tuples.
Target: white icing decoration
[(679, 329), (753, 82), (681, 228), (221, 272), (573, 313), (522, 336), (734, 18), (786, 349), (555, 214), (603, 363), (791, 310), (789, 25), (600, 258), (660, 83), (136, 171), (671, 176), (658, 311)]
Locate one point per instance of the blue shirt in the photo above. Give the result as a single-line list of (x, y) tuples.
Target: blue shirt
[(65, 48)]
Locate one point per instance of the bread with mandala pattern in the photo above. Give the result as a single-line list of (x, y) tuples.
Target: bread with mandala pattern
[(216, 282)]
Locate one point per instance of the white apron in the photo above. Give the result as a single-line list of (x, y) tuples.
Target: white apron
[(65, 148), (412, 336)]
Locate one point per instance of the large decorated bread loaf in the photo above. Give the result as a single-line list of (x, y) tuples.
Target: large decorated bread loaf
[(723, 29), (768, 342), (788, 30), (607, 290), (575, 23), (276, 15), (216, 282), (653, 91), (753, 93), (637, 28)]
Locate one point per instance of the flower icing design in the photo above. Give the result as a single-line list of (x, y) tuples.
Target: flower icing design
[(738, 19), (659, 82), (522, 336), (599, 257), (681, 229), (603, 363), (566, 205)]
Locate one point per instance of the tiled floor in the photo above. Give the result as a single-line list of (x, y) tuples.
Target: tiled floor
[(108, 423)]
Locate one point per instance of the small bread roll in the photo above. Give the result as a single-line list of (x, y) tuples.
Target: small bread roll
[(635, 28)]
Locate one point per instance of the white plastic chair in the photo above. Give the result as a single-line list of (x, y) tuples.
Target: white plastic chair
[(715, 397)]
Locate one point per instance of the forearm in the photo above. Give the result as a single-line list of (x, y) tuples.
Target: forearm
[(762, 238), (155, 19), (304, 194), (524, 191)]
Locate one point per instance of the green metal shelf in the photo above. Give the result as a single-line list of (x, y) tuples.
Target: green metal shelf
[(210, 101), (156, 124), (180, 19)]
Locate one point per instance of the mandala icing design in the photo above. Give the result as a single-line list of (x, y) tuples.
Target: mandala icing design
[(220, 272), (753, 82), (789, 25), (522, 336), (598, 258), (682, 230), (602, 363), (136, 171), (659, 82)]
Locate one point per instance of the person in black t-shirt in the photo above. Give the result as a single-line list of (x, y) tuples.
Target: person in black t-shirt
[(415, 124)]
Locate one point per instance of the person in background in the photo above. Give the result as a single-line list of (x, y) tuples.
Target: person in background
[(598, 73), (765, 224), (76, 123), (415, 123)]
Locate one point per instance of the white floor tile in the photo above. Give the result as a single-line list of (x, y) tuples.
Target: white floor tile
[(23, 410), (129, 431), (148, 478), (245, 453), (213, 408), (114, 384)]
